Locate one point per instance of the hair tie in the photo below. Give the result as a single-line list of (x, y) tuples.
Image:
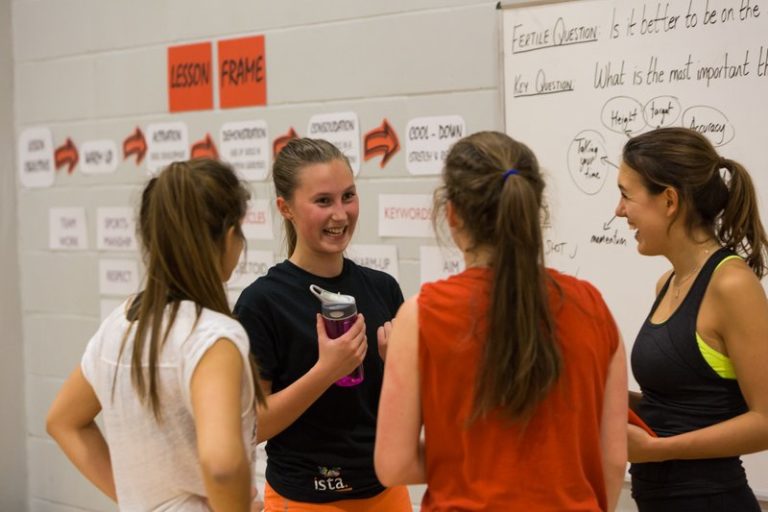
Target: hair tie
[(509, 173), (722, 162)]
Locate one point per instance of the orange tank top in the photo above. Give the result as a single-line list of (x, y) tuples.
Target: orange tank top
[(554, 463)]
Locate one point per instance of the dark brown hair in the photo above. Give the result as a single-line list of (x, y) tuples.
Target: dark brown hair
[(297, 154), (185, 213), (686, 161), (521, 359)]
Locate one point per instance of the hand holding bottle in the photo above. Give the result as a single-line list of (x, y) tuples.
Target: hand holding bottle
[(342, 355), (339, 313)]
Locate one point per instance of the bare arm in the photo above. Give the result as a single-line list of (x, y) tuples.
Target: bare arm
[(613, 426), (337, 358), (743, 325), (71, 424), (399, 453), (215, 391)]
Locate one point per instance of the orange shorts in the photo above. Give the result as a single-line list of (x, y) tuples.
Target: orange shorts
[(394, 499)]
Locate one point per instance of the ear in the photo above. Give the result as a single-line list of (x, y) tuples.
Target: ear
[(229, 238), (454, 222), (284, 208), (671, 200), (233, 247)]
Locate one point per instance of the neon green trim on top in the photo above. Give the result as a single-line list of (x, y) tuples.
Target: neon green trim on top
[(720, 363), (727, 258), (717, 361)]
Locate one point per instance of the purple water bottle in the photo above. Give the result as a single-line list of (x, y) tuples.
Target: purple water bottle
[(339, 313)]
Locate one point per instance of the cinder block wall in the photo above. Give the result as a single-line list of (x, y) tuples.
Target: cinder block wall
[(13, 463), (95, 70)]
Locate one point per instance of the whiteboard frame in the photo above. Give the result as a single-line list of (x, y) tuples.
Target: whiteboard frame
[(501, 6)]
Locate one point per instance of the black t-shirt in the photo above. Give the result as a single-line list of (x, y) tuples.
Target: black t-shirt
[(327, 453)]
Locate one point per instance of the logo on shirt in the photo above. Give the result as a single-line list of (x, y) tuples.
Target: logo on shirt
[(330, 480)]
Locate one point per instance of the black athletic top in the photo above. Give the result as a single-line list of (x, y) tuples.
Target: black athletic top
[(681, 393), (327, 453)]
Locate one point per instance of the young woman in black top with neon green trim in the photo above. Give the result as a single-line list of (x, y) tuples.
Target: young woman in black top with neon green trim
[(700, 355)]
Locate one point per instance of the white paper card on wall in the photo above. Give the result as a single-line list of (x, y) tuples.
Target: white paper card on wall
[(252, 265), (98, 157), (378, 257), (115, 229), (257, 224), (166, 143), (107, 306), (405, 215), (437, 263), (342, 129), (428, 140), (245, 146), (118, 277), (36, 165), (67, 229)]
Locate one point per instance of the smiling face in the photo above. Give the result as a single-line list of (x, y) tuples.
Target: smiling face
[(649, 215), (324, 209)]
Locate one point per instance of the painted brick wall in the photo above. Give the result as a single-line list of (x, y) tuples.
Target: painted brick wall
[(95, 70), (13, 464)]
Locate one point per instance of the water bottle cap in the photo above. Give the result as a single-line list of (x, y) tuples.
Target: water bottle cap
[(327, 297), (334, 306)]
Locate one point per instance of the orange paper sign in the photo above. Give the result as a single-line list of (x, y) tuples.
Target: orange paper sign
[(190, 80), (242, 72)]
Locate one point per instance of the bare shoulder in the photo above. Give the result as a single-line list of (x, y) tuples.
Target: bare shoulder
[(409, 310), (733, 279), (737, 292), (405, 334)]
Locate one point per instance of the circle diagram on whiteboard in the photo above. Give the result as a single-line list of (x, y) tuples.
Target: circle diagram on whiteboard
[(587, 161)]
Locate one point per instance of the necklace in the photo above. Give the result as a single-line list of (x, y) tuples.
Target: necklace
[(678, 283)]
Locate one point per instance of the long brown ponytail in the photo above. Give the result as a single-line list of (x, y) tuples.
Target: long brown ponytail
[(494, 185), (185, 214), (740, 228)]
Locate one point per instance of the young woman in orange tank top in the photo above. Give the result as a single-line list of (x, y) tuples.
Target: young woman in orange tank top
[(516, 372)]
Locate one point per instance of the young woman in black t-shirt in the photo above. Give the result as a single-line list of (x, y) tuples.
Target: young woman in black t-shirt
[(320, 436)]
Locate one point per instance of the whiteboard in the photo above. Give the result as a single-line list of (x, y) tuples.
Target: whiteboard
[(581, 77)]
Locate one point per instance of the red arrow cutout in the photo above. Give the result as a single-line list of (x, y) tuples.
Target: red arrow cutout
[(135, 144), (66, 155), (381, 141), (282, 140), (205, 148)]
